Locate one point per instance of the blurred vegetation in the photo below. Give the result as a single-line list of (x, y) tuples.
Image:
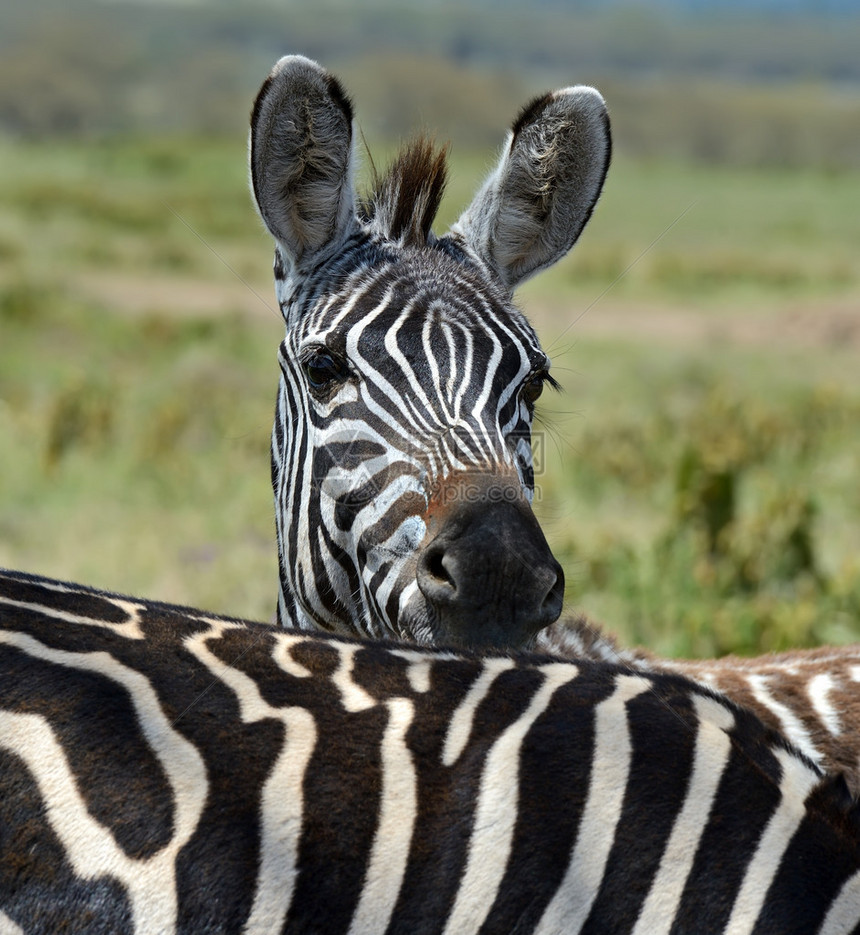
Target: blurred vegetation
[(702, 496), (723, 519), (745, 86), (701, 471), (135, 450)]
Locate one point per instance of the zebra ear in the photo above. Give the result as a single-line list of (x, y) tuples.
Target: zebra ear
[(302, 159), (533, 207)]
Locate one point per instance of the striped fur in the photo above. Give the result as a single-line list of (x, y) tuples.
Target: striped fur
[(401, 449), (168, 771), (811, 696), (441, 364)]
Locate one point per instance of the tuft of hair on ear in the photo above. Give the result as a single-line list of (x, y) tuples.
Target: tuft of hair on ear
[(403, 202)]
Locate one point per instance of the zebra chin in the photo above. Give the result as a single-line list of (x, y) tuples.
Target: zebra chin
[(422, 624)]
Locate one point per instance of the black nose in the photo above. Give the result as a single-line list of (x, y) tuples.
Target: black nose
[(490, 577)]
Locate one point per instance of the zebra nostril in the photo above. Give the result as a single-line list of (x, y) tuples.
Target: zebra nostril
[(435, 578), (436, 567), (488, 576)]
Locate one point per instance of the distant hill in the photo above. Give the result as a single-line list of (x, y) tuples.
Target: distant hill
[(787, 71)]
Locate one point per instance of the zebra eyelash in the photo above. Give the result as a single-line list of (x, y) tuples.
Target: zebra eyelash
[(551, 382), (534, 385)]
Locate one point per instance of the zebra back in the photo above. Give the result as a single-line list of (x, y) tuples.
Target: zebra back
[(810, 696), (164, 770)]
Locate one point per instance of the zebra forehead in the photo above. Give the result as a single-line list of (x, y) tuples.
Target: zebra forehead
[(375, 271), (413, 296)]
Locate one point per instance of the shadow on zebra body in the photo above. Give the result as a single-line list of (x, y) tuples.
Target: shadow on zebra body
[(164, 771)]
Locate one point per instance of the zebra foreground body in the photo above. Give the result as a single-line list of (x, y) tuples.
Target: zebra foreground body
[(401, 450), (166, 771)]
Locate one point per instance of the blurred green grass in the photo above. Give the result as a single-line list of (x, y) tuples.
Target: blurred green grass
[(700, 484)]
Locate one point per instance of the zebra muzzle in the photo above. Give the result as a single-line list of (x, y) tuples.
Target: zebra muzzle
[(488, 574)]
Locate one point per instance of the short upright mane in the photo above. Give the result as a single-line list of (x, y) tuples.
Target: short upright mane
[(403, 202)]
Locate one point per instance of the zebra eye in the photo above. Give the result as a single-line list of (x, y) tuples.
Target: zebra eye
[(534, 387), (322, 370)]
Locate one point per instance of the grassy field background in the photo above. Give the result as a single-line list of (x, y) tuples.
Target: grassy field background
[(698, 476)]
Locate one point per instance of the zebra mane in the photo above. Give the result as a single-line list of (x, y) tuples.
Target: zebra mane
[(403, 202)]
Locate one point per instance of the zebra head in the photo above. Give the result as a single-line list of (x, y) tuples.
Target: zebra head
[(401, 450)]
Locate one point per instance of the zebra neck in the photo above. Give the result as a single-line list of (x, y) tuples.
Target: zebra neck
[(289, 614), (292, 616)]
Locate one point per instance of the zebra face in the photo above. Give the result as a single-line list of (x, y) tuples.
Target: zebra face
[(401, 451), (413, 387)]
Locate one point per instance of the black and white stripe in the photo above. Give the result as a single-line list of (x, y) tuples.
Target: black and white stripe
[(162, 770), (402, 485), (408, 376), (810, 696)]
